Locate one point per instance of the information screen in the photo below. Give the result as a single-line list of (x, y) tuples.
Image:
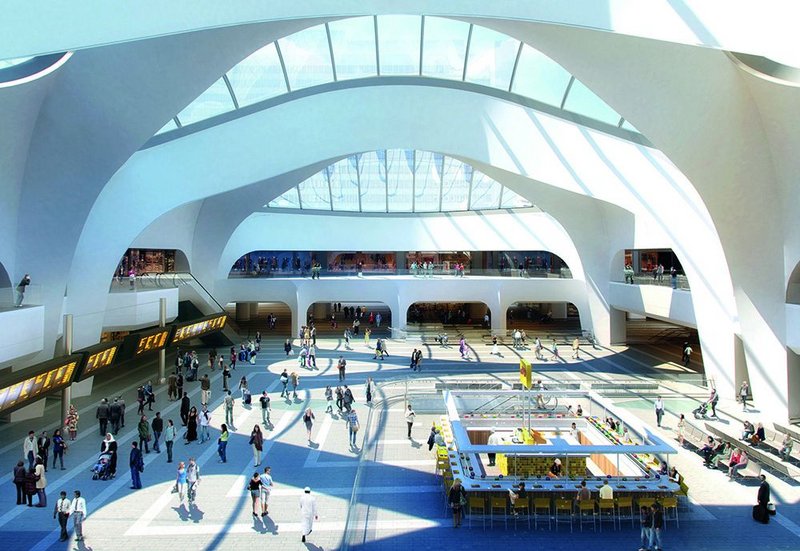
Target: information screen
[(153, 340), (99, 357), (202, 327), (50, 377)]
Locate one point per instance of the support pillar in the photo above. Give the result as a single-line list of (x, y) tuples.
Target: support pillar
[(242, 311), (619, 327), (66, 394), (559, 310), (162, 354), (253, 307)]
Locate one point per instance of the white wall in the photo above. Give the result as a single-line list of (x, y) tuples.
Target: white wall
[(21, 333), (654, 301), (129, 310)]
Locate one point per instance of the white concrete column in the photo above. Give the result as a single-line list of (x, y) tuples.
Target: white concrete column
[(618, 334), (242, 311)]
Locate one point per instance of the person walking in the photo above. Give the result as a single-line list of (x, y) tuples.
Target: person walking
[(191, 426), (29, 449), (368, 390), (43, 447), (646, 519), (339, 398), (180, 483), (410, 415), (287, 347), (222, 444), (205, 389), (19, 481), (681, 429), (308, 512), (347, 398), (185, 407), (352, 427), (109, 447), (659, 406), (418, 360), (71, 422), (136, 463), (295, 378), (243, 386), (257, 443), (312, 356), (457, 498), (556, 356), (170, 434), (495, 349), (329, 399), (744, 393), (576, 349), (229, 402), (266, 489), (713, 400), (367, 333), (686, 357), (61, 512), (308, 421), (265, 409), (284, 378), (226, 374), (760, 511), (341, 365), (158, 427), (658, 526), (78, 512), (102, 414), (254, 487), (115, 415), (192, 480), (144, 434)]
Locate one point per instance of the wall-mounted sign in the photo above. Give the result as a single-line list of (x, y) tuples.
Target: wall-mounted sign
[(204, 326), (38, 381), (99, 357), (150, 341)]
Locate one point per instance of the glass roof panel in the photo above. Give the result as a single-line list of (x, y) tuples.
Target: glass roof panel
[(540, 78), (258, 77), (167, 127), (583, 101), (485, 192), (214, 101), (491, 58), (315, 193), (455, 185), (344, 184), (353, 43), (6, 63), (512, 200), (372, 174), (307, 57), (398, 44), (428, 184), (444, 46), (287, 200), (400, 179)]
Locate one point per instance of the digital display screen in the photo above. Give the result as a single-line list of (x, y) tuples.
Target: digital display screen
[(202, 327), (52, 376), (99, 359), (155, 340)]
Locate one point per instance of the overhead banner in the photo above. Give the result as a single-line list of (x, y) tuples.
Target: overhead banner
[(197, 328), (525, 373), (38, 381)]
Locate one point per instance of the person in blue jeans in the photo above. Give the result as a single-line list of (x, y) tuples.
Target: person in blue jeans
[(137, 466), (222, 444), (658, 524), (352, 426), (647, 528)]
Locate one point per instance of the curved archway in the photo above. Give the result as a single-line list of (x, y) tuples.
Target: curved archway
[(473, 314), (793, 286)]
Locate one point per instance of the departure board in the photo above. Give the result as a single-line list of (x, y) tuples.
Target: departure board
[(209, 324), (45, 378), (151, 341), (99, 357)]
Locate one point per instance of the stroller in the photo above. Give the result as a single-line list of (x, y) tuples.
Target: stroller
[(102, 469), (700, 411)]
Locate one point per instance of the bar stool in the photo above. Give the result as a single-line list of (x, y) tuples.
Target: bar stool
[(670, 503), (542, 504), (564, 512), (521, 511), (645, 502), (606, 507), (477, 506), (498, 504), (625, 502), (587, 513)]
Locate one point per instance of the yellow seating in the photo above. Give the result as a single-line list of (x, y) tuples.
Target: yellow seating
[(607, 511), (645, 502), (670, 503), (541, 504), (521, 510), (477, 506), (498, 504), (625, 502), (586, 513), (564, 512)]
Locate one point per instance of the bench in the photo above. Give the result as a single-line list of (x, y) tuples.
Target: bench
[(764, 457), (783, 430), (694, 435)]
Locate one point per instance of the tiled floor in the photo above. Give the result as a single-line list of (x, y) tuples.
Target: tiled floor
[(398, 503)]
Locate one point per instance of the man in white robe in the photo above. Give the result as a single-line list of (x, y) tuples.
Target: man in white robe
[(308, 512)]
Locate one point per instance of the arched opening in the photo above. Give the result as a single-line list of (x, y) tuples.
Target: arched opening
[(649, 267), (473, 314), (332, 318), (793, 286), (181, 262), (6, 289), (544, 316), (270, 318)]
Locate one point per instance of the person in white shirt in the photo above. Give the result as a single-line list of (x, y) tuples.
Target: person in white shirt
[(77, 511), (659, 410), (205, 420), (308, 512), (606, 491), (573, 431), (410, 415), (61, 512), (494, 440), (29, 449), (266, 489)]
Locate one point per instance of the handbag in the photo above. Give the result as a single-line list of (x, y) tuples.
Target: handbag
[(356, 427), (175, 488)]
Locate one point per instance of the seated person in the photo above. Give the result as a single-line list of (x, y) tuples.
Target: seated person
[(514, 496), (439, 439), (786, 447), (719, 449), (555, 469), (738, 462), (675, 476), (611, 424), (606, 491), (663, 470), (748, 430), (759, 436), (573, 431), (579, 411), (707, 450), (584, 494)]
